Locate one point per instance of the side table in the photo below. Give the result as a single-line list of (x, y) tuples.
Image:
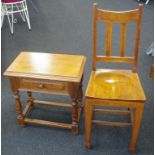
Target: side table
[(60, 74)]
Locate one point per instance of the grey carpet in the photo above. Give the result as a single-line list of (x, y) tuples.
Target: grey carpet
[(65, 26)]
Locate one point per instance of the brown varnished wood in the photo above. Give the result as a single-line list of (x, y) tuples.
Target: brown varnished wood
[(131, 116), (80, 110), (20, 117), (94, 41), (14, 84), (30, 98), (80, 93), (108, 123), (115, 88), (92, 102), (27, 107), (88, 122), (108, 38), (117, 16), (115, 59), (122, 17), (136, 126), (54, 104), (74, 97), (113, 103), (47, 123), (59, 74), (107, 111), (44, 86), (152, 71), (123, 40), (137, 43), (115, 84), (80, 99), (61, 67)]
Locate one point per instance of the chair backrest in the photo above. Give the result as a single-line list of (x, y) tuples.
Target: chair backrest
[(122, 17)]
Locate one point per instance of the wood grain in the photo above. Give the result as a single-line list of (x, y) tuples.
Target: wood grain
[(61, 67), (123, 18), (108, 38), (123, 40), (47, 123), (117, 16), (115, 88), (115, 85), (59, 74)]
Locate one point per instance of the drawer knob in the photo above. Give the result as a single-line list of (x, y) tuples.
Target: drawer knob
[(41, 86)]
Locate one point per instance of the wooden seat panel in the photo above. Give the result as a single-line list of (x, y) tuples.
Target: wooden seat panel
[(115, 84)]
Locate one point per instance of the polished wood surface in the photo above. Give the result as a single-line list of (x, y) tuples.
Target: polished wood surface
[(110, 17), (115, 84), (108, 38), (115, 59), (115, 89), (59, 74), (43, 85), (117, 16), (47, 123), (61, 67), (123, 40)]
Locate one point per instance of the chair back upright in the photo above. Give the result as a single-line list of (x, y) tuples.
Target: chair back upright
[(122, 17)]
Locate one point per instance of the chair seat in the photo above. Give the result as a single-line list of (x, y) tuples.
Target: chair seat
[(115, 85)]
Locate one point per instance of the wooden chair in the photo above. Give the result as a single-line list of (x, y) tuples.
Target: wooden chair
[(115, 88)]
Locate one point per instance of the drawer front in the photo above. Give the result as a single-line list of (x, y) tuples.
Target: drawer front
[(43, 86)]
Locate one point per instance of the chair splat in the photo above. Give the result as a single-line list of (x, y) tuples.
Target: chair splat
[(123, 40), (108, 38)]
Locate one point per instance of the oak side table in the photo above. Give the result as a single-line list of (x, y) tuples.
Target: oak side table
[(60, 74)]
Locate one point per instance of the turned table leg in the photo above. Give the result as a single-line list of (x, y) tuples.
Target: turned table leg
[(73, 89), (30, 99), (136, 127), (80, 94), (20, 117), (74, 117), (80, 99)]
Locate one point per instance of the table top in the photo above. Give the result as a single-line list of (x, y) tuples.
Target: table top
[(61, 67)]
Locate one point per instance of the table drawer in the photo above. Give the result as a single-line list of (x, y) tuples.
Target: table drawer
[(43, 86)]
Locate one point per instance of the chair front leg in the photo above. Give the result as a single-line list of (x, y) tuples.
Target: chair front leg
[(136, 126), (88, 123)]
